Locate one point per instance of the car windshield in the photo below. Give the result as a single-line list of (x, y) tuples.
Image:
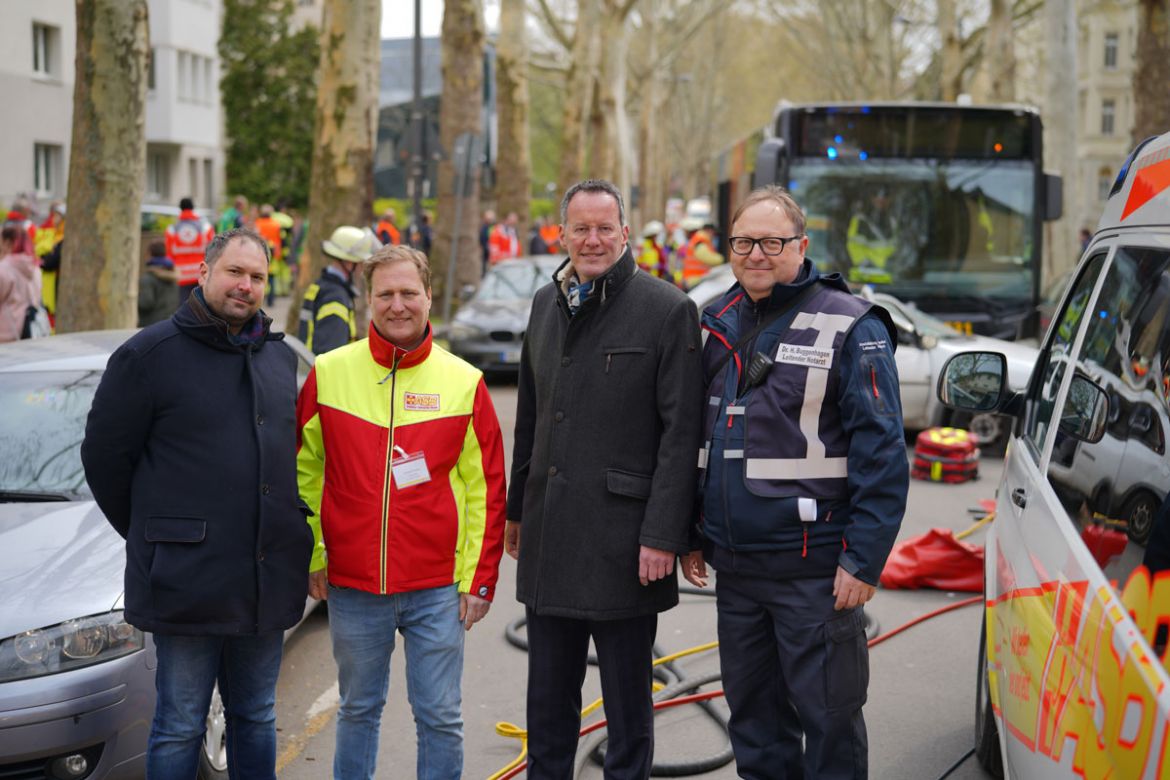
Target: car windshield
[(41, 431), (517, 282)]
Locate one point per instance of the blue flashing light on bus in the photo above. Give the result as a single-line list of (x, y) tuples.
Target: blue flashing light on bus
[(838, 139), (832, 153), (863, 156)]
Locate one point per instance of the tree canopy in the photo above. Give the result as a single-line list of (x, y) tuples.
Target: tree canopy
[(269, 92)]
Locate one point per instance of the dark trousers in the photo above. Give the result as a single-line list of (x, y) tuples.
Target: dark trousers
[(558, 650), (792, 667)]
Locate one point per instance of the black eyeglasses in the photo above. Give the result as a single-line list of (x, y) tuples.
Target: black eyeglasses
[(771, 245)]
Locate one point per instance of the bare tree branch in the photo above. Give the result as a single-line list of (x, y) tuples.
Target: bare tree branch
[(555, 27)]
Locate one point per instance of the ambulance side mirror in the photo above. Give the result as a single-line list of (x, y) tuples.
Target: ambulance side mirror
[(974, 381), (1086, 410), (1053, 197)]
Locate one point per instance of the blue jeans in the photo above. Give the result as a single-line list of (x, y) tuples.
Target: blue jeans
[(363, 626), (246, 668)]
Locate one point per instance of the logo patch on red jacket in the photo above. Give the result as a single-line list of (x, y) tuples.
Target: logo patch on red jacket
[(421, 402)]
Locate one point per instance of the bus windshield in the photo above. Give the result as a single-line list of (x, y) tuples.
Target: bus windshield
[(923, 229)]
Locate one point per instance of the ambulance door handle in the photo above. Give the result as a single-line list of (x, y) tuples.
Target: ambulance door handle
[(1020, 497)]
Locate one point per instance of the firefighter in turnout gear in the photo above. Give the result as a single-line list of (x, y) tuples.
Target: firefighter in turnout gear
[(327, 313)]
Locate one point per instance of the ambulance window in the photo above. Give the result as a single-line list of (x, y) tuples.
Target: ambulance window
[(1055, 357), (1115, 489)]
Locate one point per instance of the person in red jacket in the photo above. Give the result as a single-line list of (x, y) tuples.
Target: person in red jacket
[(186, 242), (401, 460)]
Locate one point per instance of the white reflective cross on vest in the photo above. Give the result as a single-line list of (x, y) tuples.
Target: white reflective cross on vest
[(815, 464)]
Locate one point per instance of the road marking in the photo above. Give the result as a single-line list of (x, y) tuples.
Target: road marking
[(318, 716)]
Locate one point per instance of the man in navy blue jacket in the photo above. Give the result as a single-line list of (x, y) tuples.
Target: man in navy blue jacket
[(802, 488), (190, 452)]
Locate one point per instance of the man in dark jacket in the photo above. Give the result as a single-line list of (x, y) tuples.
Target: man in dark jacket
[(606, 429), (802, 489), (158, 287), (190, 450), (327, 311)]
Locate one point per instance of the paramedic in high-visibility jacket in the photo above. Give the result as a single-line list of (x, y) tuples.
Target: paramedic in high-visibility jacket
[(802, 488), (401, 460)]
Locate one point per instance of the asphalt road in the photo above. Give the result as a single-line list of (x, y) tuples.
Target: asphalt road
[(921, 704)]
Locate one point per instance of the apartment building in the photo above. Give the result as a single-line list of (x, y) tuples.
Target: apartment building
[(1106, 59), (184, 135)]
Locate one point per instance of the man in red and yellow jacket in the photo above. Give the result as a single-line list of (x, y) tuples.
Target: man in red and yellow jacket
[(401, 460)]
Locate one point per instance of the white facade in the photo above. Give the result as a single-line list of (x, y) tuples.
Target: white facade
[(184, 133), (37, 48), (1106, 59)]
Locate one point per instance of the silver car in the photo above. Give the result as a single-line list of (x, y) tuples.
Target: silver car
[(76, 681), (488, 330)]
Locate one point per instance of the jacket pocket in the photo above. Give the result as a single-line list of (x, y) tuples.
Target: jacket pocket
[(615, 356), (189, 530), (628, 483)]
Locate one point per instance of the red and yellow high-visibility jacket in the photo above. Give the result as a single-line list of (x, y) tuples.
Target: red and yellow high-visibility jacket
[(369, 403)]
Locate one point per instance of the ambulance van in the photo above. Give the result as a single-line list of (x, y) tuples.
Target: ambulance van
[(1072, 678)]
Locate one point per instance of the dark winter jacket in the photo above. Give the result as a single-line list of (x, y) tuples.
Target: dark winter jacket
[(158, 291), (327, 314), (773, 504), (607, 427), (190, 451)]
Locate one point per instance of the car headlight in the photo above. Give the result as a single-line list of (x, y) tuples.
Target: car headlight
[(462, 331), (70, 645)]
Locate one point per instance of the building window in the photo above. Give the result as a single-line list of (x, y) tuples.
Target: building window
[(1104, 183), (208, 83), (45, 54), (1108, 111), (150, 72), (158, 178), (47, 169), (209, 184), (183, 87), (193, 178), (1111, 51)]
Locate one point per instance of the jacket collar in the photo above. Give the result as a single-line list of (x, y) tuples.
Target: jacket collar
[(394, 357), (200, 323), (609, 283)]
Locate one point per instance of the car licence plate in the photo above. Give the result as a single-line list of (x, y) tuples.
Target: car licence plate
[(510, 356)]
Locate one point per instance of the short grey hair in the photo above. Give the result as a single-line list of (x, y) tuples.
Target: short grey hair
[(219, 244), (779, 196), (594, 185)]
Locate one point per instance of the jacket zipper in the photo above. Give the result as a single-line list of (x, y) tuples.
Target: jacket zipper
[(385, 530)]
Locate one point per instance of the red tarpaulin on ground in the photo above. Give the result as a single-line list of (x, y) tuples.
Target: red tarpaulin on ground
[(936, 559)]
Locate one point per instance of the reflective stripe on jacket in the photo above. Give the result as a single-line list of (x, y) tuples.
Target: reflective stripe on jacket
[(327, 319), (368, 404)]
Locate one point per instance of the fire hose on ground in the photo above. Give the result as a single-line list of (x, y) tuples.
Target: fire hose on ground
[(673, 688)]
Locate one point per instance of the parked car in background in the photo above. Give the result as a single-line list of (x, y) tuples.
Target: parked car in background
[(76, 681), (488, 330), (1073, 679), (924, 345)]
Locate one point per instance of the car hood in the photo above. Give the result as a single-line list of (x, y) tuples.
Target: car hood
[(57, 561), (1021, 358), (495, 315)]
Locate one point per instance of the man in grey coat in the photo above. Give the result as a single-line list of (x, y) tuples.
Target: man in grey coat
[(602, 486)]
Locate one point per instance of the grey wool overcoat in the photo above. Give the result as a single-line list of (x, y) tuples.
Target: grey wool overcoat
[(606, 449)]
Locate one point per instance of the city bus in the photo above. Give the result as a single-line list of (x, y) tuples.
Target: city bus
[(941, 205)]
